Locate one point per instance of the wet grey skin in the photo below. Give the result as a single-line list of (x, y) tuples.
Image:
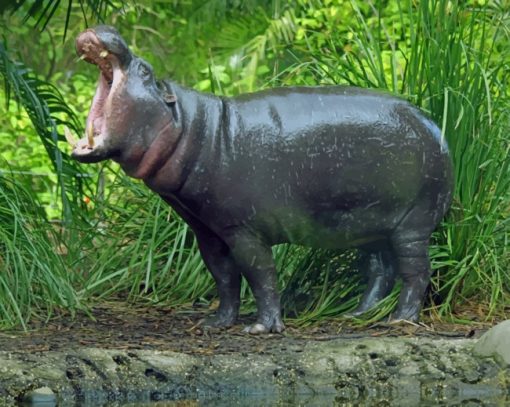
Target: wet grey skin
[(331, 167)]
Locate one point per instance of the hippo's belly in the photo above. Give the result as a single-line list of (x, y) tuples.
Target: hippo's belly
[(326, 229), (314, 202)]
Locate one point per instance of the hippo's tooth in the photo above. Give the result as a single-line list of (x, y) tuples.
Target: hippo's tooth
[(90, 134), (103, 54), (69, 137), (82, 57)]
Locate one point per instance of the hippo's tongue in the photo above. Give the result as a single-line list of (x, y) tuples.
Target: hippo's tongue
[(96, 116)]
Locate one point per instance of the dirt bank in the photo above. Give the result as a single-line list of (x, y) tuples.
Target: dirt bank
[(168, 355)]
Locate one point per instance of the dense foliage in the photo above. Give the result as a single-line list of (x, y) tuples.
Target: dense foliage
[(101, 234)]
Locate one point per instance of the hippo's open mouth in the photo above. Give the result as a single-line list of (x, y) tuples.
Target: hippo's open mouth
[(93, 50)]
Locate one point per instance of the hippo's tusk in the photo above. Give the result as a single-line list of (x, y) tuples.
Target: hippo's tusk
[(103, 54), (90, 134), (69, 137)]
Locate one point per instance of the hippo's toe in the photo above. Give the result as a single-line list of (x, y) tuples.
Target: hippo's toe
[(275, 326)]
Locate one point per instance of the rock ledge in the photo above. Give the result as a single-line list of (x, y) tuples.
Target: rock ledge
[(405, 371)]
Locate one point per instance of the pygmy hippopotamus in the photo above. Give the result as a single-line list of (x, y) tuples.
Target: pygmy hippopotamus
[(328, 167)]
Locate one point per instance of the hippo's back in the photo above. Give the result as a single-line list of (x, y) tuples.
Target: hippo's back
[(293, 110), (350, 134)]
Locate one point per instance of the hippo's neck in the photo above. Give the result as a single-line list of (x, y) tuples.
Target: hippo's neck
[(197, 117), (143, 162)]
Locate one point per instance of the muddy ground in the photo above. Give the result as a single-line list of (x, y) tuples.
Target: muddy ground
[(117, 325)]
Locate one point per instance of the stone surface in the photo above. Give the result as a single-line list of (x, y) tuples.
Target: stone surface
[(42, 396), (402, 371), (496, 342)]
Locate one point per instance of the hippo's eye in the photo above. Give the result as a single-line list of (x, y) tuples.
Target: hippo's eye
[(143, 70)]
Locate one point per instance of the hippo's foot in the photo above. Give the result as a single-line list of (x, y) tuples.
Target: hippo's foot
[(406, 314), (354, 313), (359, 310), (395, 319), (266, 325)]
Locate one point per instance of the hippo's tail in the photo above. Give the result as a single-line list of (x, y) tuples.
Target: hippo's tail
[(443, 169), (438, 184)]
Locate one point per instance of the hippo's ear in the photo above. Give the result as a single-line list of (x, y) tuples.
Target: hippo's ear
[(169, 99)]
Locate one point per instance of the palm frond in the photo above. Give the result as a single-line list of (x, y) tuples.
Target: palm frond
[(46, 109), (205, 12), (44, 10), (252, 37)]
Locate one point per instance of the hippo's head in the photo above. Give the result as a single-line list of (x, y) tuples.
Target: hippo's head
[(128, 111)]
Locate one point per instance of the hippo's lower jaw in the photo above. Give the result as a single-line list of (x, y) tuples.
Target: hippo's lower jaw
[(86, 153)]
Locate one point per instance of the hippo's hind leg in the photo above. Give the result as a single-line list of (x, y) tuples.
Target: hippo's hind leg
[(410, 243), (225, 271), (381, 278), (410, 238), (414, 269), (256, 263)]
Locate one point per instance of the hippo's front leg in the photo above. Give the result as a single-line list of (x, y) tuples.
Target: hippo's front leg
[(225, 271), (255, 260)]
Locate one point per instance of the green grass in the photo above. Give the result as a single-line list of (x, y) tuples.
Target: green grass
[(34, 283), (452, 60), (141, 249)]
